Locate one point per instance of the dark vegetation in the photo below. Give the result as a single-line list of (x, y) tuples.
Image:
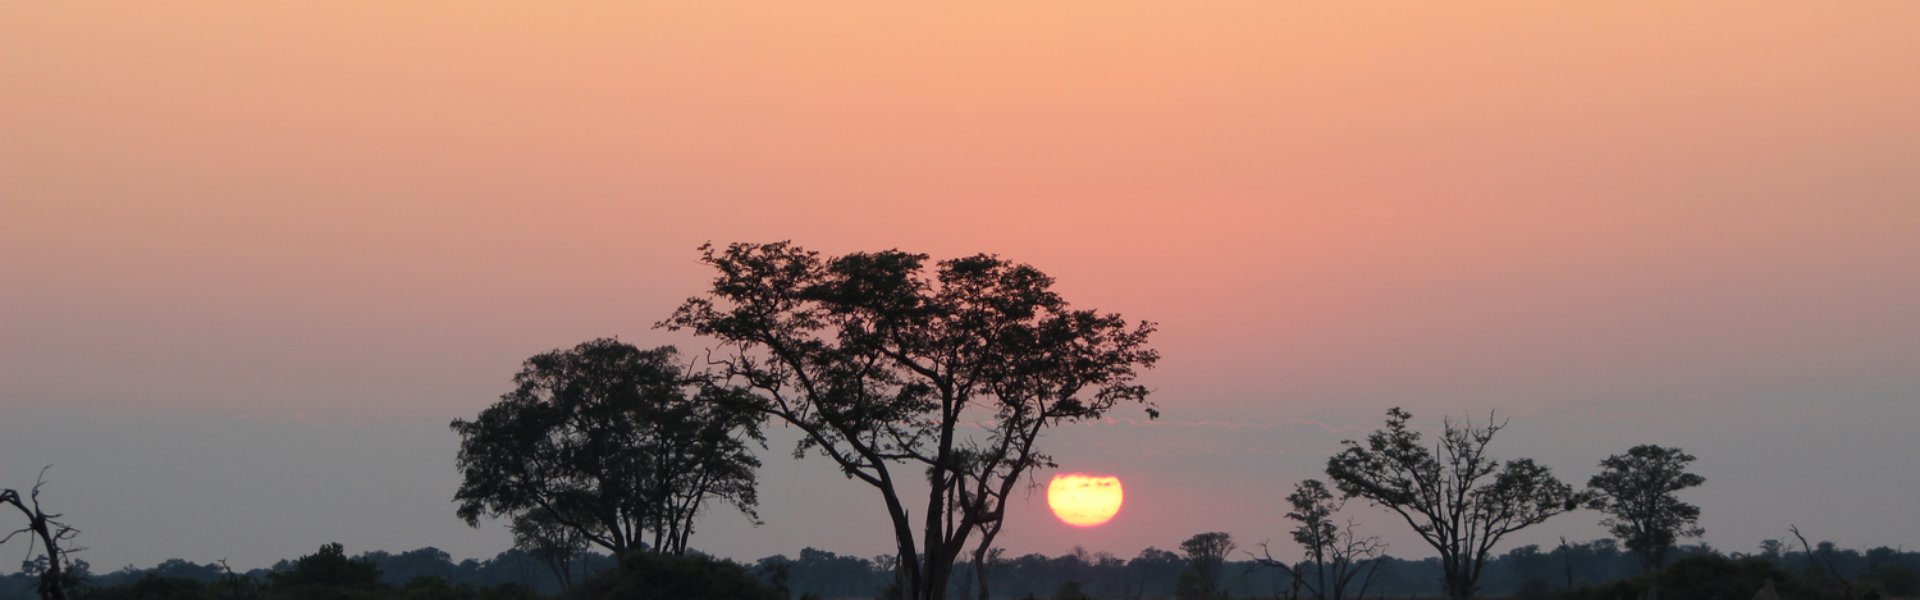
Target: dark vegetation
[(1599, 570), (898, 370)]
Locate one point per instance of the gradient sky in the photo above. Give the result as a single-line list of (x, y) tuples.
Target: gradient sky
[(255, 256)]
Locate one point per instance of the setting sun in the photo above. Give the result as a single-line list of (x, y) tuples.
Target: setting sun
[(1084, 500)]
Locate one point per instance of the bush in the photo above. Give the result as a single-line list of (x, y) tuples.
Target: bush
[(155, 587), (1713, 577), (1070, 590), (1705, 577), (650, 576), (1893, 580), (328, 568)]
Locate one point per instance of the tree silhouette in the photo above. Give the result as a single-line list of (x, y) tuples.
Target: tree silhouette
[(50, 532), (1206, 555), (612, 442), (551, 542), (1335, 552), (329, 567), (1636, 492), (882, 364), (1457, 498)]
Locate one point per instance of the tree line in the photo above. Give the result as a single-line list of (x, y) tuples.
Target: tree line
[(1570, 571), (931, 383)]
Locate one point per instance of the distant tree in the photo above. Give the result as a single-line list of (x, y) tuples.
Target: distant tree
[(1772, 549), (659, 576), (1899, 581), (1636, 492), (1150, 569), (59, 576), (1532, 569), (613, 442), (325, 572), (1206, 555), (980, 571), (1705, 577), (551, 542), (777, 571), (1458, 499), (399, 569), (1071, 590), (833, 575), (433, 587), (185, 569), (1336, 554), (155, 586), (951, 372)]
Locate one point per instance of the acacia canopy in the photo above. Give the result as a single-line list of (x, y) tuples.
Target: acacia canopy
[(1460, 500), (950, 370)]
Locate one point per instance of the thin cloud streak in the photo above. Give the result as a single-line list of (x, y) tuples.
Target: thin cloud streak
[(1226, 424)]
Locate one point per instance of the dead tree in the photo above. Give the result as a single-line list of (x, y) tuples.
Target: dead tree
[(1339, 566), (1825, 563), (44, 529), (236, 583)]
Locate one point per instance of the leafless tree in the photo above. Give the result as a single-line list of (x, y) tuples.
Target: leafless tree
[(46, 530), (1825, 562), (1336, 554), (240, 585)]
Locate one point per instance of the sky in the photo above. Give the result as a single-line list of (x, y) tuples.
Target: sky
[(254, 257)]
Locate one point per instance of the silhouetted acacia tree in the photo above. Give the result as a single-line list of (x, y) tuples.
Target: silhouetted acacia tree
[(884, 364), (1636, 492), (1336, 554), (1206, 555), (613, 442), (1457, 498), (50, 533)]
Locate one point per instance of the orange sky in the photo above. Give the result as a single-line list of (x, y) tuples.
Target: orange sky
[(359, 214)]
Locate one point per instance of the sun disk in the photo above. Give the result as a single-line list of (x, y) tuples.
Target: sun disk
[(1083, 500)]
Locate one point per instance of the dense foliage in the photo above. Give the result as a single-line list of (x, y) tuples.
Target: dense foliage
[(612, 442)]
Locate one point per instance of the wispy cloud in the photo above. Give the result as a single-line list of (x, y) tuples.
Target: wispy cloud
[(1227, 424)]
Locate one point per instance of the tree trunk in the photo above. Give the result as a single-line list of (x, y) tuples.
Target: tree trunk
[(1458, 588), (933, 582), (980, 570), (51, 587)]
